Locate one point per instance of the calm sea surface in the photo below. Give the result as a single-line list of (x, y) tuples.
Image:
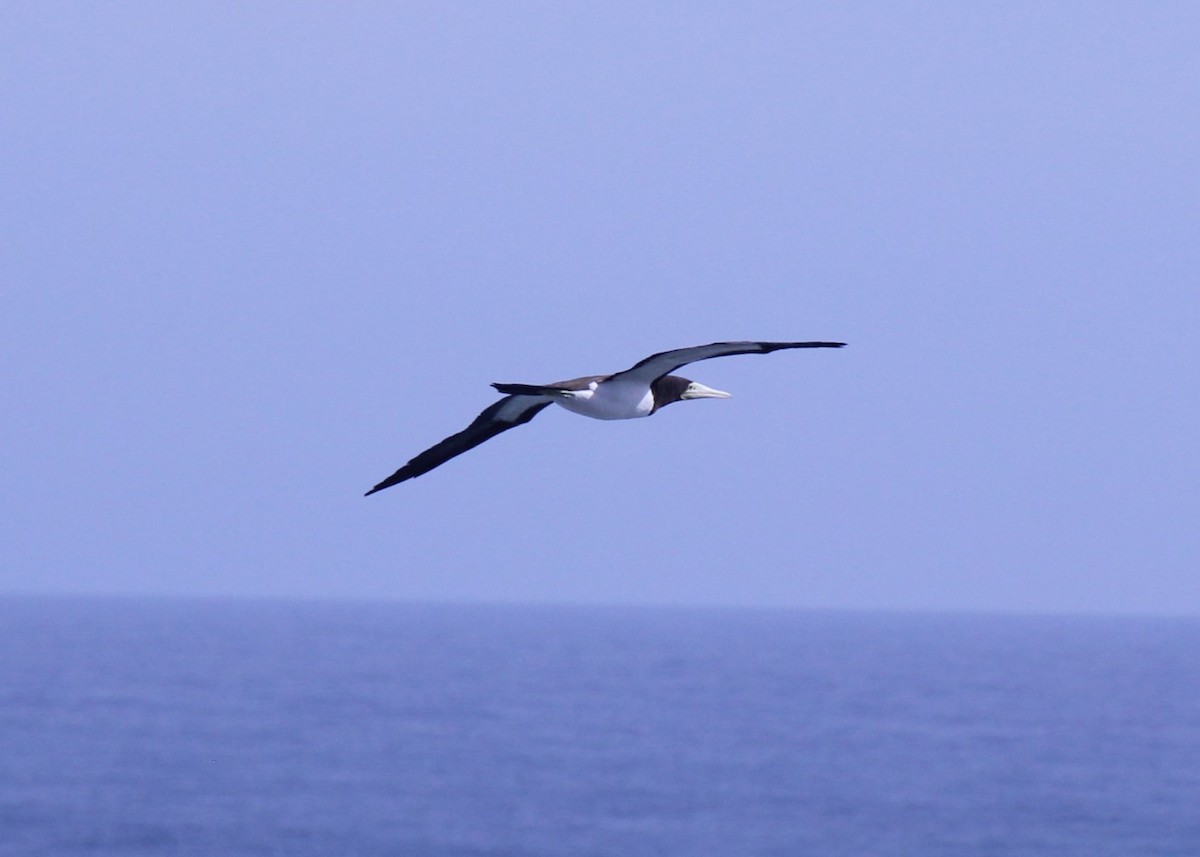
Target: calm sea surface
[(256, 728)]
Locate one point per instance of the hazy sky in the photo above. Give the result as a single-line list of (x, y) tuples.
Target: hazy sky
[(256, 256)]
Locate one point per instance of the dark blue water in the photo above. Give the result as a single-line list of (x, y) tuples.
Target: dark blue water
[(140, 727)]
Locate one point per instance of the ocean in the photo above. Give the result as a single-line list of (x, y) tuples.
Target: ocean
[(230, 728)]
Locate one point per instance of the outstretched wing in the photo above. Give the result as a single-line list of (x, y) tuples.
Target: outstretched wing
[(509, 412), (656, 365)]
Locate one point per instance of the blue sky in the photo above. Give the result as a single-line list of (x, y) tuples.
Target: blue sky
[(256, 256)]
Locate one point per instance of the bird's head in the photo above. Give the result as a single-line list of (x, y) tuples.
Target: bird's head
[(672, 388)]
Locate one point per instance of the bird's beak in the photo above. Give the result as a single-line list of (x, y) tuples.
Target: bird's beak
[(699, 391)]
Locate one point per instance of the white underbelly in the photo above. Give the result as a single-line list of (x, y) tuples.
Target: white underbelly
[(610, 402)]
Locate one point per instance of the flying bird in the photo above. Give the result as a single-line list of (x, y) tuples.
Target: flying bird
[(639, 391)]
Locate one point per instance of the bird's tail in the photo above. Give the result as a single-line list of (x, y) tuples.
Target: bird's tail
[(529, 390)]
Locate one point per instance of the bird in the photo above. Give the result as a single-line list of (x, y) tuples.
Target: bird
[(642, 390)]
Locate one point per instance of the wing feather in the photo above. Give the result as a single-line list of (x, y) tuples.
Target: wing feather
[(509, 412), (656, 365)]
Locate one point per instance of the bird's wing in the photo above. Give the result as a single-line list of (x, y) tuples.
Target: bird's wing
[(656, 365), (509, 412)]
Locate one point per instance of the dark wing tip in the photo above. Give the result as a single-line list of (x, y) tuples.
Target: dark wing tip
[(395, 479), (768, 347)]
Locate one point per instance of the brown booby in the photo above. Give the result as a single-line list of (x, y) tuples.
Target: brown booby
[(639, 391)]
